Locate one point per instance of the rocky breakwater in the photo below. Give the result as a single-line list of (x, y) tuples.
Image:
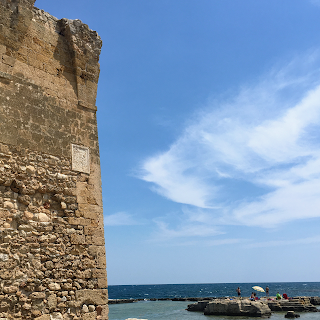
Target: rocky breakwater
[(118, 301), (297, 304), (260, 308), (237, 307)]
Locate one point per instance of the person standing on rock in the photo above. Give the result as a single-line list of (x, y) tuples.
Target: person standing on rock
[(239, 292), (267, 291)]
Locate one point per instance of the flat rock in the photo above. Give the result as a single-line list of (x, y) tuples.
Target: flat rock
[(200, 306), (315, 300), (243, 307), (298, 304), (291, 315)]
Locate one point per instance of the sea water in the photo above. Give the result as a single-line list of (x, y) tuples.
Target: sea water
[(175, 310), (292, 289)]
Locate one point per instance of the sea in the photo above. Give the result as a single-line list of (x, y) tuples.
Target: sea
[(176, 310)]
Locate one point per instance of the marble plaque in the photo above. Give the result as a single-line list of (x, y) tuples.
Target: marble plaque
[(80, 159)]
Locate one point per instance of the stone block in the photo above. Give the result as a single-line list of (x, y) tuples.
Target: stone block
[(3, 49), (99, 241), (52, 301), (99, 273), (6, 69), (89, 316), (102, 311), (37, 295), (8, 60), (56, 316), (101, 262), (96, 250), (102, 283), (77, 239), (43, 317), (88, 230), (79, 221), (4, 214), (90, 211), (95, 297)]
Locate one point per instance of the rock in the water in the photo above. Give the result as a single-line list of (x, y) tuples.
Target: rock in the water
[(237, 308), (315, 300), (199, 306), (291, 315), (298, 304)]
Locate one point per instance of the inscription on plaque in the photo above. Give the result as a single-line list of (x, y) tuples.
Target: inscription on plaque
[(80, 158)]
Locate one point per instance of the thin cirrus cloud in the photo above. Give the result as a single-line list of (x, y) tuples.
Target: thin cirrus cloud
[(185, 230), (191, 224), (266, 136), (291, 242), (119, 219)]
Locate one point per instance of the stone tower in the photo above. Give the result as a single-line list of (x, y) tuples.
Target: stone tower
[(52, 254)]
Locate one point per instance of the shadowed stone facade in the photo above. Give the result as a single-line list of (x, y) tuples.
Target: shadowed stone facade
[(52, 249)]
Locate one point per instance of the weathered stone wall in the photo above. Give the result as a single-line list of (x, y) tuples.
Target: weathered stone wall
[(52, 254)]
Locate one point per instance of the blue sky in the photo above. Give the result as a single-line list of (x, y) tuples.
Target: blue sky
[(209, 118)]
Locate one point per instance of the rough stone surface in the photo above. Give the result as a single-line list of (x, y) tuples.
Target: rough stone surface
[(237, 308), (243, 307), (258, 308), (298, 304), (199, 306), (291, 315), (315, 300), (52, 255)]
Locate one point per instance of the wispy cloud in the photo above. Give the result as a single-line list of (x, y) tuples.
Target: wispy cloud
[(279, 243), (190, 223), (315, 2), (119, 219), (169, 173), (186, 230), (180, 242), (266, 136)]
